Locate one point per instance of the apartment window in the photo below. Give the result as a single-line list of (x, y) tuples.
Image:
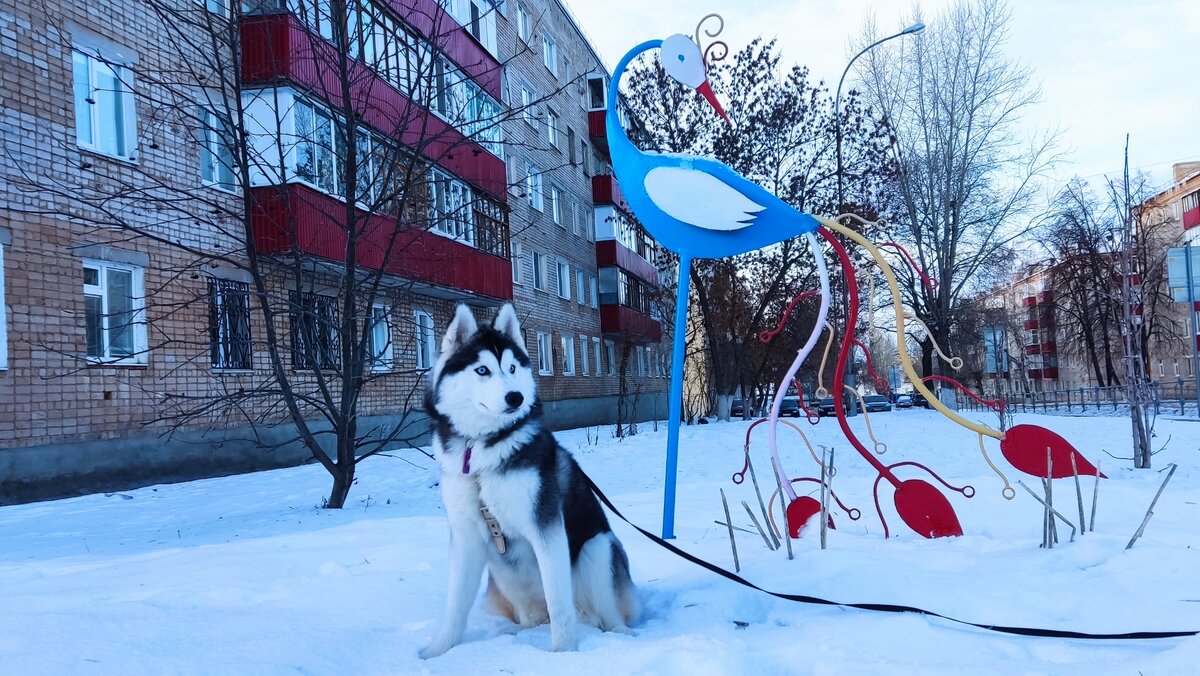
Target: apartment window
[(528, 109), (533, 187), (3, 316), (379, 338), (1161, 370), (596, 353), (564, 280), (597, 86), (610, 353), (580, 287), (522, 24), (104, 108), (571, 145), (556, 211), (545, 360), (315, 337), (316, 151), (594, 287), (585, 158), (552, 128), (641, 361), (215, 6), (517, 262), (583, 355), (568, 354), (451, 206), (550, 52), (1191, 201), (568, 209), (426, 347), (114, 313), (1176, 362), (216, 151), (230, 346), (539, 271)]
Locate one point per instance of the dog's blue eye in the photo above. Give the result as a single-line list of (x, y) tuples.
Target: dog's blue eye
[(482, 370), (512, 368)]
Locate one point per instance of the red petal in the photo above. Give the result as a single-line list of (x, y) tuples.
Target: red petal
[(1025, 447), (926, 510)]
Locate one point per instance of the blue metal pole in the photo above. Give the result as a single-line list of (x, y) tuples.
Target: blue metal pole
[(675, 407)]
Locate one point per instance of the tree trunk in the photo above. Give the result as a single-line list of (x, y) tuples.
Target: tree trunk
[(343, 479)]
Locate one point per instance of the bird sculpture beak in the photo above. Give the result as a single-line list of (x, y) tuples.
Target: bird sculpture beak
[(707, 92)]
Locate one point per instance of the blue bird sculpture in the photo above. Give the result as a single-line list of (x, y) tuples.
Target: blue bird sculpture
[(695, 206)]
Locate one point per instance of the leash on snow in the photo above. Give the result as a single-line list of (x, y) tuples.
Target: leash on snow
[(877, 607)]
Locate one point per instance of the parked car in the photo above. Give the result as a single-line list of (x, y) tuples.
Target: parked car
[(825, 407), (790, 407), (876, 403), (738, 408), (918, 399), (904, 401)]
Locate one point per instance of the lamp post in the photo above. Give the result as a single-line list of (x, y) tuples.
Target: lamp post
[(917, 27)]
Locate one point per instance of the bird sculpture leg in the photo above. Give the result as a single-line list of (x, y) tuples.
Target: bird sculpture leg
[(801, 355), (675, 405)]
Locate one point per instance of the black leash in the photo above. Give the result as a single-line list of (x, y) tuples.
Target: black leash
[(878, 607)]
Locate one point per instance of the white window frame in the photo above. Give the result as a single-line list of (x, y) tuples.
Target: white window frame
[(3, 316), (580, 286), (568, 350), (596, 353), (425, 342), (214, 172), (564, 279), (556, 209), (137, 311), (124, 106), (380, 360), (528, 106), (545, 355), (523, 31), (533, 187), (550, 53), (610, 351), (517, 263), (552, 128), (540, 270), (583, 355), (220, 7)]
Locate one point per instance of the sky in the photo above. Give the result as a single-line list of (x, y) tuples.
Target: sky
[(1105, 67)]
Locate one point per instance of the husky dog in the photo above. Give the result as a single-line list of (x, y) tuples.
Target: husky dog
[(517, 502)]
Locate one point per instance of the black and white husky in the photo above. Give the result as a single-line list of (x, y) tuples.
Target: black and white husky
[(517, 502)]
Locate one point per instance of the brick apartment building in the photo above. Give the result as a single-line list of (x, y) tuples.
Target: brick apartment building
[(98, 329), (1026, 349)]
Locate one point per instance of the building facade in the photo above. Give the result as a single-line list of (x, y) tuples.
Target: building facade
[(122, 206)]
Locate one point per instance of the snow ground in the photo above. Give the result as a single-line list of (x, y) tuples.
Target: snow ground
[(247, 575)]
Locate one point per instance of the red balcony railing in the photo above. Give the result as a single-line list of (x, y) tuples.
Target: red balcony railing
[(630, 323), (298, 219), (1191, 218)]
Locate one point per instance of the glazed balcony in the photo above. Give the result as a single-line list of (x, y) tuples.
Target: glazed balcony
[(629, 323), (1191, 218), (295, 219), (278, 48)]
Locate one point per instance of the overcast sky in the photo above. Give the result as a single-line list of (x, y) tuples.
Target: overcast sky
[(1106, 67)]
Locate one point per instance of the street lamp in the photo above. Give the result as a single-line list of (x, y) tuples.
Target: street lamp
[(837, 125)]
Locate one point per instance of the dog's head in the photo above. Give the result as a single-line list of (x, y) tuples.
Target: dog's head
[(482, 381)]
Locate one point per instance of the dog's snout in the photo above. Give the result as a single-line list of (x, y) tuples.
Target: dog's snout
[(514, 399)]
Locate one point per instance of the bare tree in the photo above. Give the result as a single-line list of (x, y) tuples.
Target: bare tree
[(966, 176), (357, 144)]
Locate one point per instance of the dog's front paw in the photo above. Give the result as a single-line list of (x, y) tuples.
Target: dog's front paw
[(434, 649), (563, 641)]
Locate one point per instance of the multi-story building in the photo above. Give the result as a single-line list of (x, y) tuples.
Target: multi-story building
[(505, 136)]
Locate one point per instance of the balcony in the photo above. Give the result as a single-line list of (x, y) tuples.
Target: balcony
[(1049, 347), (1031, 324), (598, 131), (629, 323), (1044, 374), (277, 47), (1029, 301), (1191, 218), (606, 190), (298, 219)]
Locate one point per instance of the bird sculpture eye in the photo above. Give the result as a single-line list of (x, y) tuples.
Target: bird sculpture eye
[(512, 368), (681, 58), (482, 370)]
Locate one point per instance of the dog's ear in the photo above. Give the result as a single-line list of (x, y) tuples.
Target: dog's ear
[(506, 322), (461, 328)]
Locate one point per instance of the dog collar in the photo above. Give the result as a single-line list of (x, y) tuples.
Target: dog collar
[(467, 461)]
